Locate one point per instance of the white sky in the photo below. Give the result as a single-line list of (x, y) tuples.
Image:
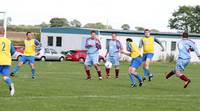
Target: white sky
[(145, 13)]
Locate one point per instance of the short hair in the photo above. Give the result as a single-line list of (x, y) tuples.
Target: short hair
[(28, 33), (146, 30), (129, 40), (93, 31), (185, 35), (114, 33)]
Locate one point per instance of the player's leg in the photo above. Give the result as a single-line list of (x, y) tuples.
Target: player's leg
[(110, 59), (181, 64), (135, 64), (146, 66), (169, 74), (31, 61), (183, 77), (87, 70), (132, 77), (33, 71), (17, 67), (5, 73), (116, 63), (144, 57), (95, 61), (116, 71), (87, 67), (98, 69)]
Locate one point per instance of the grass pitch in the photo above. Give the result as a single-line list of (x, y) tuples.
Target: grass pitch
[(61, 86)]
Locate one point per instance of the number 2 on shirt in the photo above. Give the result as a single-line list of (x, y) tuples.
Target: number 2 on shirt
[(3, 46)]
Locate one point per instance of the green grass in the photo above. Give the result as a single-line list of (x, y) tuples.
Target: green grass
[(61, 86)]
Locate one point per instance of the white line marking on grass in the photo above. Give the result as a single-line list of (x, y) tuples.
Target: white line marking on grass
[(139, 97)]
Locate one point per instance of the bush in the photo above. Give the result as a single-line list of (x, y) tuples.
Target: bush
[(170, 58)]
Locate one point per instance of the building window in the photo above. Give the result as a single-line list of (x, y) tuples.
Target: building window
[(59, 41), (50, 41), (173, 46)]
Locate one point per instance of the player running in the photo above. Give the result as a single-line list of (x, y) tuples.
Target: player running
[(135, 62), (29, 55), (147, 43), (113, 52), (93, 46), (185, 46), (6, 51)]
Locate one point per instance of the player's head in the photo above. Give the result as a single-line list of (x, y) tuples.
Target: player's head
[(93, 34), (29, 35), (185, 35), (114, 36), (147, 33), (1, 31), (129, 40)]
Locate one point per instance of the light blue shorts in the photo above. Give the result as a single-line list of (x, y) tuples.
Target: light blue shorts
[(181, 64), (92, 59), (114, 59)]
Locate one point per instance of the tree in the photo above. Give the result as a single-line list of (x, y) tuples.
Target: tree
[(125, 27), (75, 23), (43, 25), (186, 18), (139, 28), (154, 30), (59, 22), (97, 25)]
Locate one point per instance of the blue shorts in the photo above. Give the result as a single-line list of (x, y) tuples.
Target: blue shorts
[(136, 62), (4, 70), (29, 59), (181, 64), (92, 59), (147, 56), (114, 60)]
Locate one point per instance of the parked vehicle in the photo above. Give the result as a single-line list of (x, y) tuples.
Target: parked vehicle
[(19, 49), (44, 54), (19, 52), (17, 55), (79, 55)]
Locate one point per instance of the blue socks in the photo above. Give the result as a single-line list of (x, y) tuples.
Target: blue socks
[(146, 72), (16, 69), (33, 72), (138, 77), (132, 78), (8, 81)]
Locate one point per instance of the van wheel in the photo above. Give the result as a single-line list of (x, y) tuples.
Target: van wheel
[(81, 60), (43, 59), (19, 57), (61, 59)]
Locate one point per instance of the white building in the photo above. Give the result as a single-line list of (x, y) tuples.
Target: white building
[(63, 39)]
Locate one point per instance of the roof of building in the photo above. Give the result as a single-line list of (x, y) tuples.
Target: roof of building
[(108, 32)]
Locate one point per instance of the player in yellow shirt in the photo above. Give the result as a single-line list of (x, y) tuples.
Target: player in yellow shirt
[(135, 62), (6, 51), (29, 55), (147, 43)]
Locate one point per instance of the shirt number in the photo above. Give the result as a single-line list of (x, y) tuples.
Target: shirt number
[(3, 46)]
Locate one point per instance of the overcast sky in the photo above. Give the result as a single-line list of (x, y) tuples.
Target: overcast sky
[(145, 13)]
